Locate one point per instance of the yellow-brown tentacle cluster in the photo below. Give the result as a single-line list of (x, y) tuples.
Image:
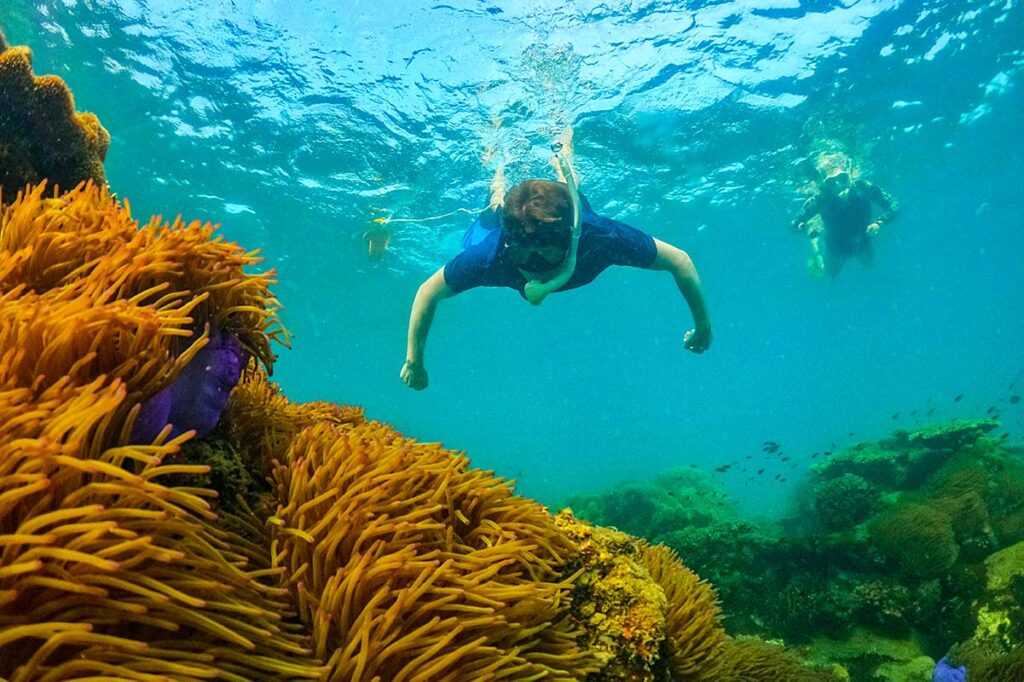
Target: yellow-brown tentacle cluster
[(408, 565), (695, 636), (263, 422), (169, 279)]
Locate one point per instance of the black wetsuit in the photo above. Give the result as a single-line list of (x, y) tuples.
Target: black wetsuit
[(846, 218)]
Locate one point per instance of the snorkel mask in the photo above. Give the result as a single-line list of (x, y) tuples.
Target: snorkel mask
[(536, 290), (539, 251), (837, 182)]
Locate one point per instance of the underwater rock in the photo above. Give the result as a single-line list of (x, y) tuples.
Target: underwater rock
[(1000, 611), (870, 657), (888, 464), (634, 601), (915, 670), (41, 135)]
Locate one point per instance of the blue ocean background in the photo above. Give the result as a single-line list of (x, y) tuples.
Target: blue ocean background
[(295, 125)]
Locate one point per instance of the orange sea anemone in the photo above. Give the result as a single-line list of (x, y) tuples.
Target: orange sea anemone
[(104, 569)]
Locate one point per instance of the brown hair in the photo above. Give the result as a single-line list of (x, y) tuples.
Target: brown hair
[(537, 206)]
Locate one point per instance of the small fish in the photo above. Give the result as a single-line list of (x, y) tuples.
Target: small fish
[(778, 476), (770, 446), (722, 469), (1014, 399), (1004, 436), (785, 459), (990, 410), (931, 411), (851, 434), (895, 415), (782, 480), (750, 457), (913, 413), (814, 455), (760, 471), (958, 398)]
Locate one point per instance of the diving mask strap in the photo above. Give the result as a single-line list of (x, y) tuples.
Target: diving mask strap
[(536, 290)]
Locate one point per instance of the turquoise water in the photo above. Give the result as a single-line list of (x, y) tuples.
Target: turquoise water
[(295, 125)]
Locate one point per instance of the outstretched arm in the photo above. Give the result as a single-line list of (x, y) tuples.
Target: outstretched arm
[(676, 261), (807, 211), (430, 293), (890, 209)]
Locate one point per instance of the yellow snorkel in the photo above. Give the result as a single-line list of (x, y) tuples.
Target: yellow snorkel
[(536, 290)]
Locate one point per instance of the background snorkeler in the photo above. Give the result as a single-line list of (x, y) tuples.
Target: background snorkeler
[(844, 202)]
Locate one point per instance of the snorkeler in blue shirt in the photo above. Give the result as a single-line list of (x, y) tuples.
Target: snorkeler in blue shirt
[(545, 238)]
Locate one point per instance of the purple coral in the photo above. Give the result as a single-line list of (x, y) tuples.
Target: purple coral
[(944, 672), (197, 397)]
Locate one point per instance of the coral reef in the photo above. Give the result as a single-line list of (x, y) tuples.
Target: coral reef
[(41, 135), (888, 549), (677, 499)]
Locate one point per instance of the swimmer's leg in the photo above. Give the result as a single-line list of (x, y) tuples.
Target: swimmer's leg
[(498, 187), (866, 252), (833, 262), (815, 263), (568, 152)]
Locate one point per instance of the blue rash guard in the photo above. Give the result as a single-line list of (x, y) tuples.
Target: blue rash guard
[(484, 261)]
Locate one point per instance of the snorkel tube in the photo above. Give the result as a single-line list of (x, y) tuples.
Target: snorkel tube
[(536, 290)]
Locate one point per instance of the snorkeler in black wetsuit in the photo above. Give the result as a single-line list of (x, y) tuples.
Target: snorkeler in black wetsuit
[(844, 204)]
